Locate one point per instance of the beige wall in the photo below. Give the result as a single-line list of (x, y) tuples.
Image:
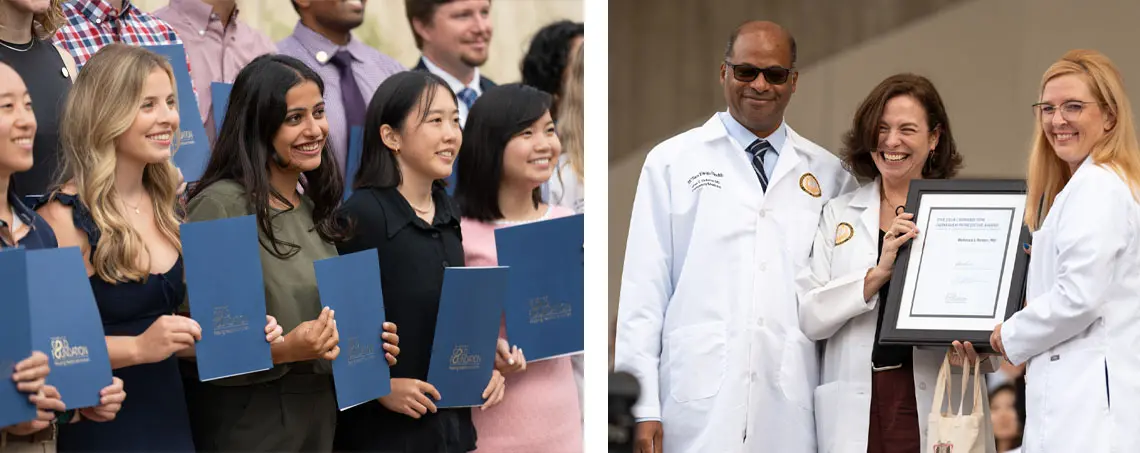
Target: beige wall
[(986, 58), (662, 59), (386, 27)]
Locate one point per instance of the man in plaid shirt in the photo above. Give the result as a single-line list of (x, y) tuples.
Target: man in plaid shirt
[(93, 24)]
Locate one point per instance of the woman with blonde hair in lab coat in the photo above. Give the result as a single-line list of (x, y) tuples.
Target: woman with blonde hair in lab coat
[(1081, 324), (876, 398)]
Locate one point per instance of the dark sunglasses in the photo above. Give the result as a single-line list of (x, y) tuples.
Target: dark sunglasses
[(774, 75)]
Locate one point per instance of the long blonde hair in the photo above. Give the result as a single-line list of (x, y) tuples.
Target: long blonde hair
[(45, 24), (571, 113), (1117, 150), (102, 106)]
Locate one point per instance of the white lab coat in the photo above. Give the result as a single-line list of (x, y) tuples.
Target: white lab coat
[(832, 308), (1081, 326), (707, 317)]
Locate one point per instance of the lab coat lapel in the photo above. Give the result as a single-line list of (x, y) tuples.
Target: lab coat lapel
[(789, 158), (868, 200)]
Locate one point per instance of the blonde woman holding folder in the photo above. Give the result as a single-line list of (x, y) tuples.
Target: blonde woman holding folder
[(115, 202)]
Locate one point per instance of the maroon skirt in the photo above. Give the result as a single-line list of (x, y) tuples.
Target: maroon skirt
[(894, 412)]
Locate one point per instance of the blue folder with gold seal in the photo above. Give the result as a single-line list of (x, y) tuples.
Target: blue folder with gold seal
[(350, 286), (466, 333), (66, 324), (544, 304), (226, 290)]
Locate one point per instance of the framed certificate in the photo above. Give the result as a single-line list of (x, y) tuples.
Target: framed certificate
[(965, 272)]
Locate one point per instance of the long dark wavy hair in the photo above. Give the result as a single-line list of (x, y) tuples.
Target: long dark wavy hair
[(244, 149)]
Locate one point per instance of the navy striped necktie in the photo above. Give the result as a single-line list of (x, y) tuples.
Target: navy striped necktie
[(758, 149)]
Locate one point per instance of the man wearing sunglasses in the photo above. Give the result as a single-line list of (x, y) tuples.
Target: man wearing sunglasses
[(723, 221)]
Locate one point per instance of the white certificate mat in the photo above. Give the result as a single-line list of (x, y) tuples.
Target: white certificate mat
[(961, 265)]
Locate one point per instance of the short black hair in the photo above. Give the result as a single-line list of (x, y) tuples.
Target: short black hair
[(244, 150), (736, 34), (549, 51), (392, 103), (493, 121)]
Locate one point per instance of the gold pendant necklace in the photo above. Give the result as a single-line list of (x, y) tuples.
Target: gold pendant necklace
[(135, 207)]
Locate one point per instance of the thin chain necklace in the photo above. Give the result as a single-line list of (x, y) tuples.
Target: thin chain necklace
[(135, 207), (31, 44), (899, 209), (421, 211)]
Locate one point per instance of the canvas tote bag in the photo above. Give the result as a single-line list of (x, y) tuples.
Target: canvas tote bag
[(948, 432)]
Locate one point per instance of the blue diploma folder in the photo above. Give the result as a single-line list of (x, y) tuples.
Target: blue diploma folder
[(227, 296), (466, 333), (545, 298), (355, 148), (350, 286), (16, 323), (193, 151), (220, 100), (66, 325)]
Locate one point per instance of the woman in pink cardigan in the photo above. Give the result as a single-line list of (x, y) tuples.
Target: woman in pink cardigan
[(509, 150)]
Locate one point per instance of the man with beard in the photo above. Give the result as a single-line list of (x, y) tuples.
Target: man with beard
[(350, 69), (217, 44), (454, 36)]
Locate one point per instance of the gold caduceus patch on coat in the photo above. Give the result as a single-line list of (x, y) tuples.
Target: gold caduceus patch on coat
[(809, 184), (843, 233)]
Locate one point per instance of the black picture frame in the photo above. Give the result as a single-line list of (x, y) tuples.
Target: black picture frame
[(890, 334)]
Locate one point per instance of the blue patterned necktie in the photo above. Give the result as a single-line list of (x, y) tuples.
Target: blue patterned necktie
[(758, 149), (468, 97)]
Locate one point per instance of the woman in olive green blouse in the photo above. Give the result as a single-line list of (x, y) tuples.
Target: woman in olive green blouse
[(272, 160)]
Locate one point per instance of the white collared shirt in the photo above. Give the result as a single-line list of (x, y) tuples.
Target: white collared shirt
[(744, 137), (456, 85)]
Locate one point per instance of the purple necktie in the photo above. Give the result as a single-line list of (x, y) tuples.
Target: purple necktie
[(354, 106)]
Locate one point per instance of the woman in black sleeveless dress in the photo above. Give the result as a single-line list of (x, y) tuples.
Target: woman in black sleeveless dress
[(116, 203)]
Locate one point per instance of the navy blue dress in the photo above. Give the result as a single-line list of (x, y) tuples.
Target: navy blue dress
[(40, 235), (153, 417)]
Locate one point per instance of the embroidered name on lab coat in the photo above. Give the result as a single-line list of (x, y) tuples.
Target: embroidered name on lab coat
[(843, 233), (705, 179)]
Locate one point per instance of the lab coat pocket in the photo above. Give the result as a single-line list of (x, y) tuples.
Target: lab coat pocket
[(698, 357), (799, 370), (827, 407), (1077, 383)]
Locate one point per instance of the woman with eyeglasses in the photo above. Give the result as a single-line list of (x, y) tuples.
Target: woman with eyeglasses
[(873, 397), (1081, 325)]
